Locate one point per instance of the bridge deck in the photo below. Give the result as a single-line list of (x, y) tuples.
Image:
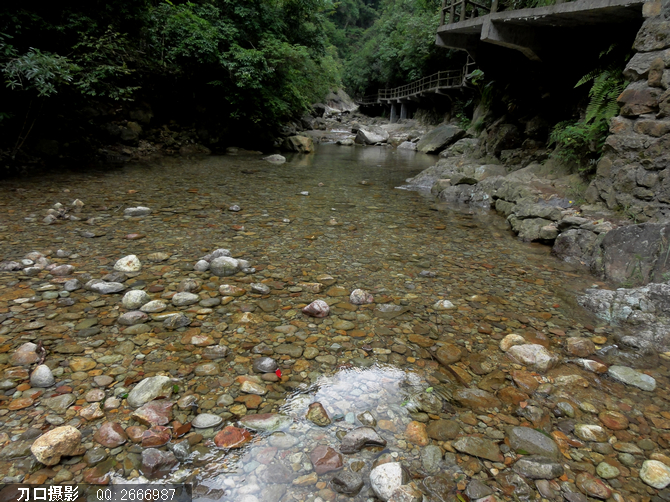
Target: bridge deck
[(517, 29)]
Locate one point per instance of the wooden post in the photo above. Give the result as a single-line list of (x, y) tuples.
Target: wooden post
[(494, 6), (444, 6), (452, 11)]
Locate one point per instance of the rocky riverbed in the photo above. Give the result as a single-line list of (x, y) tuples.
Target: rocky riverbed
[(164, 328)]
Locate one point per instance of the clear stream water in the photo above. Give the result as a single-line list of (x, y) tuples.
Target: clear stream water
[(335, 212)]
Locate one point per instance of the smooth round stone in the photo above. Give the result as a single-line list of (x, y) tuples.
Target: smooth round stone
[(42, 377), (153, 306), (184, 298), (206, 420), (72, 285), (265, 365), (133, 317), (207, 369), (134, 299), (343, 325), (224, 266), (607, 471), (655, 473), (201, 266), (632, 377), (130, 263), (260, 288), (360, 297), (103, 380), (95, 395)]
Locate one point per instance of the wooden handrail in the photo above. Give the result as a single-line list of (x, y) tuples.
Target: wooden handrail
[(458, 9)]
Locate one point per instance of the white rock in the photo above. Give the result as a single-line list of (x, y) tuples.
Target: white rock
[(201, 266), (386, 478), (275, 159), (128, 263), (444, 305), (655, 474), (533, 355), (154, 306), (136, 211), (42, 377), (134, 299)]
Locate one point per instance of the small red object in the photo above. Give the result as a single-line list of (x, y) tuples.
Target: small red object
[(278, 373)]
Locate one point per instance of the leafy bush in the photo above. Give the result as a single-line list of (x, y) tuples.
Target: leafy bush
[(576, 140)]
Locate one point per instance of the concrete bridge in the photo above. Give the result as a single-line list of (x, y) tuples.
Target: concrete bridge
[(470, 25)]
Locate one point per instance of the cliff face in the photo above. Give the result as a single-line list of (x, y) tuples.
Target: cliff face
[(634, 173)]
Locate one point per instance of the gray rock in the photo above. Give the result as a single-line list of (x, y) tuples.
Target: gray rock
[(136, 211), (10, 266), (62, 270), (220, 252), (201, 266), (132, 318), (386, 478), (265, 365), (104, 288), (537, 467), (181, 450), (407, 145), (59, 404), (72, 285), (530, 441), (439, 138), (206, 420), (183, 299), (42, 377), (477, 490), (259, 288), (360, 437), (157, 463), (134, 299), (631, 377), (479, 447), (149, 389), (347, 482), (371, 135), (224, 266), (431, 458), (176, 321), (275, 159)]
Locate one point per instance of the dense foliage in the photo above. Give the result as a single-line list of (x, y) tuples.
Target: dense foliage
[(256, 60), (582, 141)]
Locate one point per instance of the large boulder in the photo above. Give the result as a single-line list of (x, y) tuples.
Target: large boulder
[(576, 246), (51, 446), (440, 138), (371, 135), (300, 144), (635, 254)]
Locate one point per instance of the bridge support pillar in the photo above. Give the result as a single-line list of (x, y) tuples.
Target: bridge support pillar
[(403, 110), (394, 114)]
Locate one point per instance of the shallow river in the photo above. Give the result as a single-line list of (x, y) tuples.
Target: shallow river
[(316, 227)]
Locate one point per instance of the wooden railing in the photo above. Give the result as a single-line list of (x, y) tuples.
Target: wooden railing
[(460, 10), (440, 80)]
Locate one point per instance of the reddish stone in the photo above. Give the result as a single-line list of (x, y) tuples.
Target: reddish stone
[(416, 433), (232, 437), (135, 433), (511, 395), (20, 403), (325, 459), (251, 401), (157, 412), (580, 347), (593, 486), (613, 420), (525, 381), (100, 474), (156, 436), (111, 435), (448, 354)]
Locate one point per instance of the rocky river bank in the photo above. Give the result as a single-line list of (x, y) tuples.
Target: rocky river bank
[(444, 359)]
